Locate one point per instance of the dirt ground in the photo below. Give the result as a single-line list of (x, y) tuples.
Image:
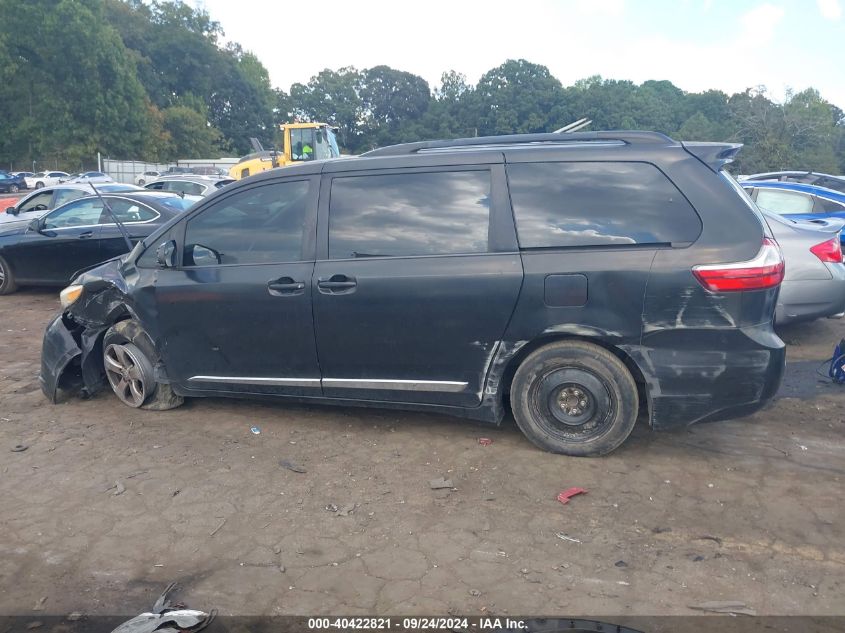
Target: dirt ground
[(747, 510)]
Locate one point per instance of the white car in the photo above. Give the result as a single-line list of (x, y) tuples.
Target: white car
[(92, 176), (44, 178), (186, 184), (45, 199), (147, 176)]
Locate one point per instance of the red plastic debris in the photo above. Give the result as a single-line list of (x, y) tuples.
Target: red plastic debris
[(485, 441), (567, 494)]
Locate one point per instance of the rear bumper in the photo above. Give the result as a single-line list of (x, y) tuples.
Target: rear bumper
[(807, 299), (694, 375)]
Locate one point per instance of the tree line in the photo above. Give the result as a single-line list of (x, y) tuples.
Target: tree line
[(154, 81)]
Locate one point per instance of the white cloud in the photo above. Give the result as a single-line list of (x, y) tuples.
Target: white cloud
[(830, 9), (601, 8), (760, 24)]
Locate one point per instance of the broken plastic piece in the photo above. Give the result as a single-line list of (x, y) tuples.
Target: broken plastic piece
[(485, 441), (567, 494), (293, 466)]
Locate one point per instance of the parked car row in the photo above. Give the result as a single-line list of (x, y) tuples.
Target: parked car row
[(11, 183), (38, 248), (189, 183)]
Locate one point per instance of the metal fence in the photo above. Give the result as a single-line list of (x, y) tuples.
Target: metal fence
[(128, 171)]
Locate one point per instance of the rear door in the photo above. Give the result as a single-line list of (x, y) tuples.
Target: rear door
[(416, 279)]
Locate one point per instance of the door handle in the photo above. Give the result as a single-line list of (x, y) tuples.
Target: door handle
[(86, 235), (336, 284), (285, 286)]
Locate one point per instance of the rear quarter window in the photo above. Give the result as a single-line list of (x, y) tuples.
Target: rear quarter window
[(577, 204)]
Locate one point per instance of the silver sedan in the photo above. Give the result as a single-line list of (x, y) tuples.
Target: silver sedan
[(814, 284)]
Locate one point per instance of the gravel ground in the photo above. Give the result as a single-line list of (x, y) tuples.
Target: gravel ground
[(108, 504)]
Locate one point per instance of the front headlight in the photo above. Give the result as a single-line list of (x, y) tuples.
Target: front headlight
[(69, 295)]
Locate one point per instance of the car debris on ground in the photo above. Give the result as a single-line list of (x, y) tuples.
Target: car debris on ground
[(167, 616), (440, 483), (567, 494)]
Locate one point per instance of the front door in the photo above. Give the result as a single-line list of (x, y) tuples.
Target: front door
[(67, 242), (235, 314), (418, 277)]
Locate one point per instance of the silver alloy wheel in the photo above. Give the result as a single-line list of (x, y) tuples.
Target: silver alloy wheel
[(125, 370), (2, 274)]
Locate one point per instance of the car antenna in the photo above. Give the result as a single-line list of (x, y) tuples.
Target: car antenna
[(113, 217)]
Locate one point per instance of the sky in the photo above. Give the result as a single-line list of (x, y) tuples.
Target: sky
[(729, 45)]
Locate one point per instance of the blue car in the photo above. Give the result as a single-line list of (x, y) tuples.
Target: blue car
[(797, 201), (11, 183)]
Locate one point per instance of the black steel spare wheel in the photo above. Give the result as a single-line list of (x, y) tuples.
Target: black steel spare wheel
[(572, 403), (129, 372), (575, 398)]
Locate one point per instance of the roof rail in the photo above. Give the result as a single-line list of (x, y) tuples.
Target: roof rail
[(630, 137)]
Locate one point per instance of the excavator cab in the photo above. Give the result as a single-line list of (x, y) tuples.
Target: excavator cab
[(300, 142)]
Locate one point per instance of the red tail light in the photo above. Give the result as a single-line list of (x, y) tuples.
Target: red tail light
[(764, 271), (829, 251)]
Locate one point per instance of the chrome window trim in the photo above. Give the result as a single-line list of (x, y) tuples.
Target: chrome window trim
[(87, 226)]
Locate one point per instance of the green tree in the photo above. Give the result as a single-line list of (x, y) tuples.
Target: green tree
[(190, 134), (518, 97), (332, 97), (77, 91)]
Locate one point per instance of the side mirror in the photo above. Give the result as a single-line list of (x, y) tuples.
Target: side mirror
[(166, 254), (13, 210), (35, 225)]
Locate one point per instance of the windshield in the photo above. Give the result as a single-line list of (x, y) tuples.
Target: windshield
[(332, 140)]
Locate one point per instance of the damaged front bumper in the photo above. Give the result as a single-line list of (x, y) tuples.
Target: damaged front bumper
[(67, 353)]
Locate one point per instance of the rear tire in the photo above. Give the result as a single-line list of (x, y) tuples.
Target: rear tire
[(141, 182), (129, 359), (574, 398), (13, 189), (8, 285)]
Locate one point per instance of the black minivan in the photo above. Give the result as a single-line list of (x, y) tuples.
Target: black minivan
[(579, 280)]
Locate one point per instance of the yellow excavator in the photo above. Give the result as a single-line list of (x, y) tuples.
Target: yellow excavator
[(300, 142)]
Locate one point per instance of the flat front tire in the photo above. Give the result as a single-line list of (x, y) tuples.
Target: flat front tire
[(574, 398), (129, 359)]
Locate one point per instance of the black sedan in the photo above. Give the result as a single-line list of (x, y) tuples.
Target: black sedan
[(47, 251), (11, 183)]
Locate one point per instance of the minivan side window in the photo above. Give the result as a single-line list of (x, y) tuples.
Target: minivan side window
[(260, 225), (408, 214), (598, 204)]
